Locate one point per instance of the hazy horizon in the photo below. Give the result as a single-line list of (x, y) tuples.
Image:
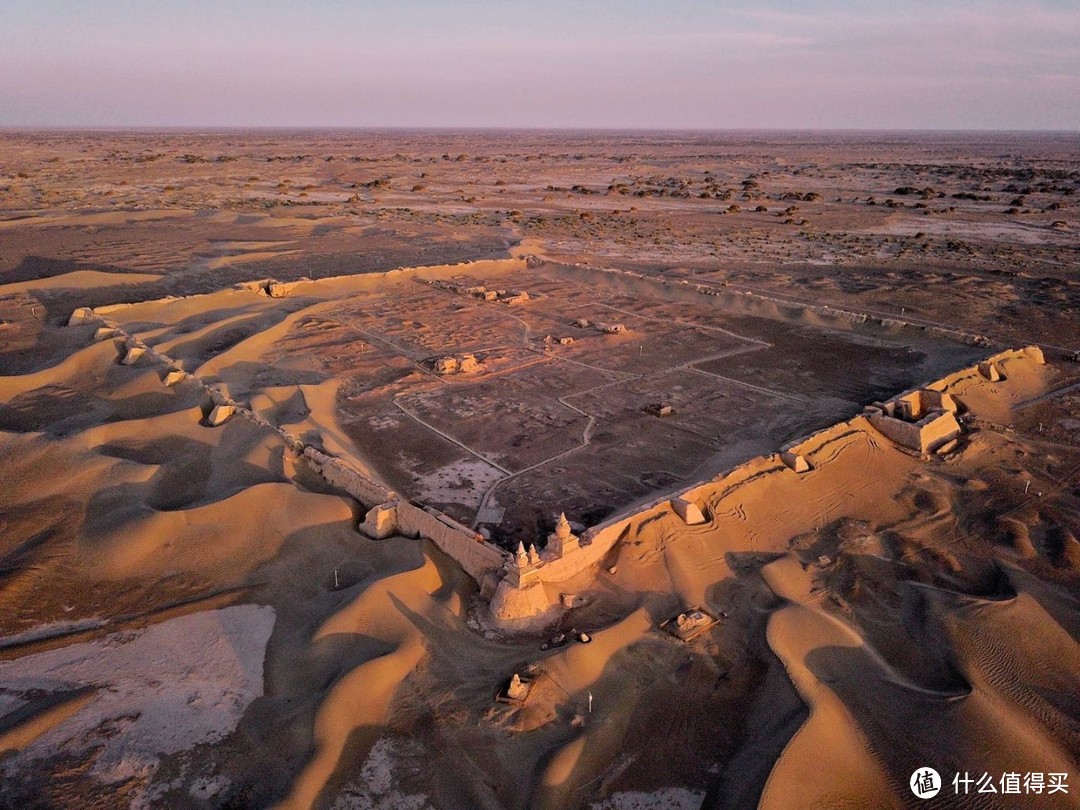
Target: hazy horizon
[(300, 129), (831, 65)]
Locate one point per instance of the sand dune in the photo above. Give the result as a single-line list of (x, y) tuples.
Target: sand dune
[(361, 701), (829, 740), (61, 220), (81, 279), (152, 492), (218, 262)]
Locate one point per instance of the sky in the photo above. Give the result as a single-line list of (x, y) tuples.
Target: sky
[(663, 64)]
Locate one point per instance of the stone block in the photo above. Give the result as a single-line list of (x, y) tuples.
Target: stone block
[(220, 415), (796, 462), (688, 511), (133, 355), (380, 521), (81, 316), (280, 289), (469, 364)]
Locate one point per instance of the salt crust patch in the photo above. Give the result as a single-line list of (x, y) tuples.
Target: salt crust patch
[(161, 690), (375, 789), (461, 482), (663, 799), (9, 703), (206, 787)]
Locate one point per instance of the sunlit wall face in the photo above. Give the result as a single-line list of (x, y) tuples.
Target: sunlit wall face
[(607, 63)]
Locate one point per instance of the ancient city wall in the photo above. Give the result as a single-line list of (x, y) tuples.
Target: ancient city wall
[(1031, 354), (329, 286), (344, 476), (475, 555), (922, 419), (478, 557), (906, 434), (597, 541), (483, 561), (922, 436), (756, 303), (595, 544)]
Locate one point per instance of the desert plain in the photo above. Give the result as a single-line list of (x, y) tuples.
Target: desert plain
[(288, 421)]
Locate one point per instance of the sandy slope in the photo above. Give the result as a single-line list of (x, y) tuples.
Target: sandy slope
[(174, 685), (189, 619), (188, 615)]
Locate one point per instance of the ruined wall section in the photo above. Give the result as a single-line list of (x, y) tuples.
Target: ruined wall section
[(925, 435), (923, 419), (477, 557), (898, 431), (750, 301), (341, 474), (399, 516), (1029, 354), (517, 607)]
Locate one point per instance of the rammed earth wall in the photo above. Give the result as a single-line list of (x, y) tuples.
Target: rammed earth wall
[(479, 558)]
